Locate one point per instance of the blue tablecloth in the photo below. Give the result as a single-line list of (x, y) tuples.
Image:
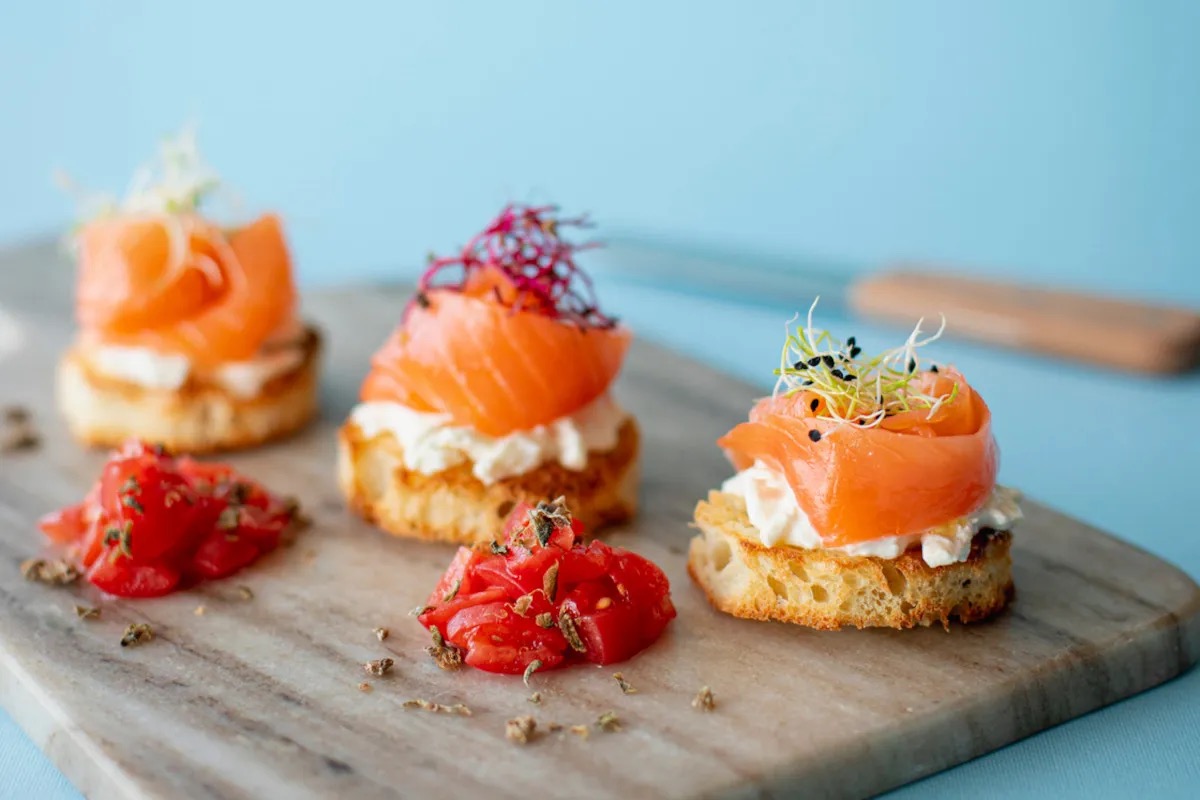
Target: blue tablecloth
[(1118, 451)]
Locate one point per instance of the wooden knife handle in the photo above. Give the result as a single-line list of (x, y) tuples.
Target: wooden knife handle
[(1128, 335)]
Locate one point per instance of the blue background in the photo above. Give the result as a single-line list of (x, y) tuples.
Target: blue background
[(1050, 140)]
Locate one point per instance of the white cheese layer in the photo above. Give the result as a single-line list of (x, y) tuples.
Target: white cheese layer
[(150, 369), (431, 444), (774, 511)]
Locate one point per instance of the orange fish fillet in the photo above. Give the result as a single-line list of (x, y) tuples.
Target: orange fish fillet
[(858, 484), (181, 285), (490, 367)]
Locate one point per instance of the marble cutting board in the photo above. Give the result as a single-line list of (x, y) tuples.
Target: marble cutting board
[(258, 697)]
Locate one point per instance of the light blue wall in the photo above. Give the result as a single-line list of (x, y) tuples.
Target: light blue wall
[(1031, 136)]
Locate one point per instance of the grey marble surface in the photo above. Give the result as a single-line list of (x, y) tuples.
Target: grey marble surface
[(258, 697)]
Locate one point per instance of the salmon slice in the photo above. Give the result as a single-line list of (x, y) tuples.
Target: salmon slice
[(856, 484), (491, 367), (179, 284)]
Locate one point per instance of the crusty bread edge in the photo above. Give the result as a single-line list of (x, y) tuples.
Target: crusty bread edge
[(742, 577), (196, 418), (455, 506)]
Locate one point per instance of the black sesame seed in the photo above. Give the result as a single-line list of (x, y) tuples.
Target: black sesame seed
[(912, 365), (422, 300), (829, 361), (814, 361), (815, 404), (850, 377), (807, 383), (837, 373), (933, 367), (798, 365), (815, 435), (850, 342), (854, 351)]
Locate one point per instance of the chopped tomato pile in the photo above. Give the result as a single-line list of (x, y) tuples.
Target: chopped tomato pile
[(153, 523), (542, 596)]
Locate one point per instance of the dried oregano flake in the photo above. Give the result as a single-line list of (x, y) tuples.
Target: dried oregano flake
[(567, 625), (704, 699), (379, 667), (55, 572), (137, 633), (626, 686), (520, 729), (457, 709)]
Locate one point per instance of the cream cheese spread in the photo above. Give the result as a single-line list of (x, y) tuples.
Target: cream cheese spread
[(775, 513), (150, 369), (431, 444)]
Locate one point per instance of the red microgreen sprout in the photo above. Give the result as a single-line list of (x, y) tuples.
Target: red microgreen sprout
[(525, 245)]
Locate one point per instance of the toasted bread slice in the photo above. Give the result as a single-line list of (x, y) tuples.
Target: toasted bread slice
[(198, 417), (828, 590), (455, 506)]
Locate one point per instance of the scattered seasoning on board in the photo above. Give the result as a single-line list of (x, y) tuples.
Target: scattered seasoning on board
[(533, 667), (54, 572), (379, 667), (535, 698), (199, 612), (581, 731), (381, 633), (17, 431), (520, 729), (704, 700), (245, 593), (626, 686), (445, 655), (608, 722), (364, 687), (554, 727), (457, 709), (87, 612), (137, 633)]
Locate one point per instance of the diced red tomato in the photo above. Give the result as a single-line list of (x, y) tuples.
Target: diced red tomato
[(65, 525), (457, 577), (151, 519), (439, 615), (221, 554), (119, 575), (617, 602)]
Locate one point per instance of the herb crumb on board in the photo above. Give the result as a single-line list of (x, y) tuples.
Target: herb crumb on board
[(457, 709), (53, 572), (379, 667), (626, 686), (137, 633), (381, 633), (704, 699), (520, 729), (87, 612), (17, 431), (608, 722)]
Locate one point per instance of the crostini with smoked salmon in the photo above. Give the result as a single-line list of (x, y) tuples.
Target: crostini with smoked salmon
[(493, 390), (188, 329), (865, 496)]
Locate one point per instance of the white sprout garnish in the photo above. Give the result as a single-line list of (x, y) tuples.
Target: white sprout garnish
[(170, 189), (177, 181), (855, 390)]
